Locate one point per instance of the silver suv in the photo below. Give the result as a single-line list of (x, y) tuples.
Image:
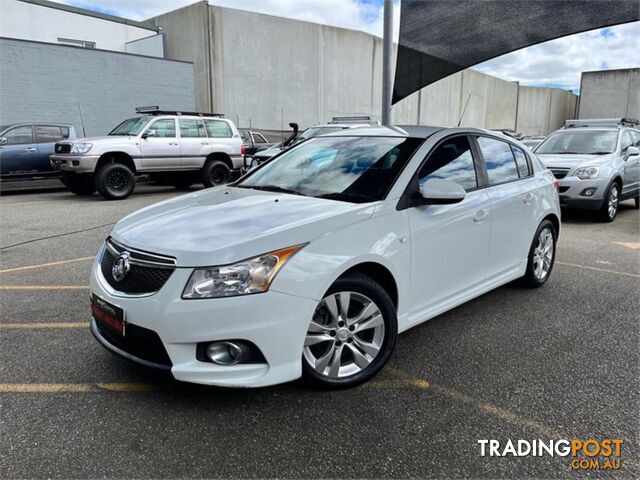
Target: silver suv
[(597, 163), (177, 148)]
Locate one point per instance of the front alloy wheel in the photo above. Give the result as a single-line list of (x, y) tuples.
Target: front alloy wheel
[(611, 204), (351, 334)]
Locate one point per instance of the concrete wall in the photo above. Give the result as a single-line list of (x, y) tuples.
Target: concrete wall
[(45, 82), (269, 71), (37, 22), (610, 93)]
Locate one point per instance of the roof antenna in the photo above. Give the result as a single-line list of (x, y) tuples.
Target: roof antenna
[(84, 134), (464, 109)]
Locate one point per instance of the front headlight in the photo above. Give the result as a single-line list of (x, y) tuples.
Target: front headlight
[(586, 173), (253, 275), (81, 148)]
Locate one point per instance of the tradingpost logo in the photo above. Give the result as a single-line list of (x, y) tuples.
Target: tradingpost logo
[(589, 454)]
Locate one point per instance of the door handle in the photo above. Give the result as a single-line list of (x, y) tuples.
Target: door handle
[(204, 143), (30, 150), (481, 216), (529, 198)]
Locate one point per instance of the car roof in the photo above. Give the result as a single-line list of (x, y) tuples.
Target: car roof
[(413, 131)]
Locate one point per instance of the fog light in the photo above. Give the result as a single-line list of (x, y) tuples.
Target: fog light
[(588, 192), (76, 163), (224, 353)]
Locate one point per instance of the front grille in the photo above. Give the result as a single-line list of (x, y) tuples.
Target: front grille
[(147, 274), (559, 172), (62, 148), (564, 189), (139, 342)]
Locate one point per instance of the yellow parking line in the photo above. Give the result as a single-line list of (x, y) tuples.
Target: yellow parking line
[(43, 265), (44, 287), (587, 267), (28, 326), (74, 387), (632, 245)]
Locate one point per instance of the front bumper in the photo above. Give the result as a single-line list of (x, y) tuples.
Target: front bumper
[(74, 163), (571, 192), (274, 322)]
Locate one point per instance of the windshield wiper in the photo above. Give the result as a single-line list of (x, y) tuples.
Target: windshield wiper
[(272, 188)]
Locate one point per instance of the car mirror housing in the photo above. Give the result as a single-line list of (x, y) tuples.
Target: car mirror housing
[(631, 151), (149, 133), (436, 191), (3, 141)]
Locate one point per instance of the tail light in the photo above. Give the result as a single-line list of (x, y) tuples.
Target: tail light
[(556, 184), (242, 149)]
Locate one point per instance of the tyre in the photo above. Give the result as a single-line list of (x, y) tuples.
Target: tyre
[(611, 203), (214, 173), (637, 202), (542, 256), (115, 181), (82, 185), (351, 335)]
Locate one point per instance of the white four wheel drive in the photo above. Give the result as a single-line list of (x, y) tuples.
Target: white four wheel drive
[(312, 263), (176, 148)]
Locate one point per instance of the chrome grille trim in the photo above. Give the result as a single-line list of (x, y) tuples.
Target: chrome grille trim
[(140, 257)]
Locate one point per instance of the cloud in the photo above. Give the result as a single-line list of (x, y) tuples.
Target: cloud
[(559, 62), (556, 63)]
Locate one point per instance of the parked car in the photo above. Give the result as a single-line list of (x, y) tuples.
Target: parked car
[(533, 141), (597, 162), (335, 125), (25, 149), (254, 142), (179, 147), (312, 263)]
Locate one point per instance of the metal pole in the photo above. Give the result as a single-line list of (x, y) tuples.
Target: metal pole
[(387, 51)]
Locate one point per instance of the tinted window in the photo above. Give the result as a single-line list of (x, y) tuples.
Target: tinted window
[(626, 141), (192, 128), (498, 159), (452, 161), (19, 135), (352, 169), (47, 134), (164, 128), (218, 128), (591, 142), (521, 161)]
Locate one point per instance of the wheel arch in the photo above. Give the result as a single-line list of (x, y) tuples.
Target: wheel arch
[(377, 272), (116, 157), (222, 156), (555, 220)]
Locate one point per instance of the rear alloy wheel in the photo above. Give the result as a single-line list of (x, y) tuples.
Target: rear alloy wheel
[(611, 204), (115, 181), (542, 256), (351, 335), (215, 173), (80, 184)]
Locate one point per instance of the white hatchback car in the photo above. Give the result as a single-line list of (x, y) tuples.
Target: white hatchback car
[(312, 263)]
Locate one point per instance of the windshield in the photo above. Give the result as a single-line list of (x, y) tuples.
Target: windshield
[(314, 132), (131, 126), (352, 169), (594, 142)]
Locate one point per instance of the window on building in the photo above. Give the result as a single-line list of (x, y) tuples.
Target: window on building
[(219, 129), (452, 160), (77, 43), (499, 161)]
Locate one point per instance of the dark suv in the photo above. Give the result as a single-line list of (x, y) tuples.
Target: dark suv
[(25, 149)]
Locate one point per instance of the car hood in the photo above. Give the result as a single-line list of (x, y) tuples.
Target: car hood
[(223, 225), (571, 161), (94, 140)]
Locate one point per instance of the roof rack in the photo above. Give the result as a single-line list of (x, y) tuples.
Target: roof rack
[(155, 110), (602, 122), (355, 119)]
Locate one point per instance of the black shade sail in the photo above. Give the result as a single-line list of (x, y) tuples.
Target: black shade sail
[(441, 37)]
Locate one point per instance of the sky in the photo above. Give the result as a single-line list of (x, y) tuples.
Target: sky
[(557, 63)]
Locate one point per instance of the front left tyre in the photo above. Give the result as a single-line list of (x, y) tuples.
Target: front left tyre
[(115, 181), (542, 255), (611, 203), (351, 335)]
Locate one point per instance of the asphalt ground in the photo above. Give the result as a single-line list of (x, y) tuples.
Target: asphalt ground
[(560, 362)]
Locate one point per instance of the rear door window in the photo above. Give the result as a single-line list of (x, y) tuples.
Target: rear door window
[(192, 128), (499, 161)]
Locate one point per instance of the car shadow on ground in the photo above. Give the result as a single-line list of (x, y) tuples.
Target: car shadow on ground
[(586, 216)]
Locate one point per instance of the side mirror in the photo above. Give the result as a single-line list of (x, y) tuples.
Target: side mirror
[(436, 191), (3, 141), (631, 151), (149, 133)]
